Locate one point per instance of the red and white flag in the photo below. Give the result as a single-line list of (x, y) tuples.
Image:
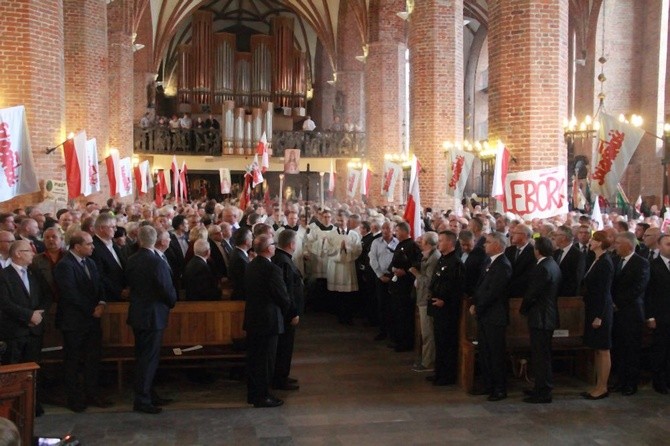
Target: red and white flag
[(161, 187), (413, 207), (256, 174), (262, 150), (366, 176), (331, 178), (353, 177), (125, 180), (183, 182), (500, 172), (392, 173), (459, 171), (617, 143), (174, 168), (113, 163), (638, 204), (17, 176), (90, 175)]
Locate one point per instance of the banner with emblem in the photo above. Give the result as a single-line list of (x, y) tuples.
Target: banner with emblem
[(617, 142), (392, 174), (540, 193), (125, 187), (17, 175), (458, 172), (353, 177)]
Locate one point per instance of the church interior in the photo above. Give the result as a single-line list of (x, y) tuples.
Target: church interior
[(380, 80)]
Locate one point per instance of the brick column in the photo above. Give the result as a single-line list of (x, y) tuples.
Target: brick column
[(528, 66), (86, 89), (121, 76), (384, 89), (436, 91), (32, 74)]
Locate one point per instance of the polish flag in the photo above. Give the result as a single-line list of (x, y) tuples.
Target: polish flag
[(113, 162), (413, 208), (161, 187), (331, 178), (365, 179), (262, 150), (500, 172), (75, 152), (174, 168), (182, 181)]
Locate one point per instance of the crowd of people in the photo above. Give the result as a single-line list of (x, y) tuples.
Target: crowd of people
[(344, 258)]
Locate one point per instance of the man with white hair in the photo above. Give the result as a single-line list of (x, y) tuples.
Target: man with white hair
[(199, 280), (381, 255)]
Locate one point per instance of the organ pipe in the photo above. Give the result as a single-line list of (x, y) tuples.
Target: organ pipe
[(224, 67), (282, 34), (239, 131), (261, 71), (299, 78), (201, 42), (242, 78), (185, 85), (228, 127)]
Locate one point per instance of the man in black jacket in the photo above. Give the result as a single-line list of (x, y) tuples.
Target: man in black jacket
[(268, 305), (446, 289), (521, 257), (657, 312), (491, 307), (200, 282), (239, 259), (109, 259), (541, 308), (286, 246), (152, 294), (570, 260), (631, 275)]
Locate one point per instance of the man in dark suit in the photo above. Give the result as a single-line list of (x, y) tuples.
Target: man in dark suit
[(28, 230), (268, 305), (583, 237), (446, 288), (570, 260), (109, 259), (178, 246), (631, 275), (238, 261), (217, 253), (24, 297), (540, 306), (81, 304), (491, 307), (366, 277), (657, 312), (521, 257), (286, 246), (474, 259), (199, 280), (151, 297)]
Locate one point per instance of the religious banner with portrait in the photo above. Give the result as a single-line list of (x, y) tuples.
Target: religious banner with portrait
[(292, 161), (224, 180)]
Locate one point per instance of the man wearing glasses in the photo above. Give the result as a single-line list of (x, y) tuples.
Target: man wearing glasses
[(109, 259)]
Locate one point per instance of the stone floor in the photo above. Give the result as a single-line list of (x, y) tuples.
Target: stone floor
[(358, 392)]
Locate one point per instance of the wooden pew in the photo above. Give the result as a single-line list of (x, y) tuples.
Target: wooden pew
[(17, 397), (568, 338), (216, 325)]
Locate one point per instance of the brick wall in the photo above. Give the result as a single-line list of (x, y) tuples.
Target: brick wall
[(528, 79), (32, 74), (86, 75), (436, 91)]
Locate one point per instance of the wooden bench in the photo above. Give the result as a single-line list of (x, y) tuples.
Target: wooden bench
[(216, 325), (568, 338)]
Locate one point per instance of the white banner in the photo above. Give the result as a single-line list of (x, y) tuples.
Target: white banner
[(125, 180), (392, 173), (90, 177), (458, 172), (17, 176), (224, 180), (538, 193), (617, 142), (353, 177)]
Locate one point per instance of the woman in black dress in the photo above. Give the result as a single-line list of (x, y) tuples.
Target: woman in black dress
[(598, 309)]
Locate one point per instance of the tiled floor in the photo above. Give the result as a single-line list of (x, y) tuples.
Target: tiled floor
[(358, 392)]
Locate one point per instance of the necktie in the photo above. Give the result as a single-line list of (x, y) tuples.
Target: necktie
[(558, 255), (24, 279), (652, 254), (518, 253), (668, 265), (86, 270), (584, 249)]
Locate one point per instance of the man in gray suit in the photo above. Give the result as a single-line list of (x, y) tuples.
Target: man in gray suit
[(541, 308)]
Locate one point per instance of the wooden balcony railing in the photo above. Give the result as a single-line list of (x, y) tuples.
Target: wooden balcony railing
[(323, 144)]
